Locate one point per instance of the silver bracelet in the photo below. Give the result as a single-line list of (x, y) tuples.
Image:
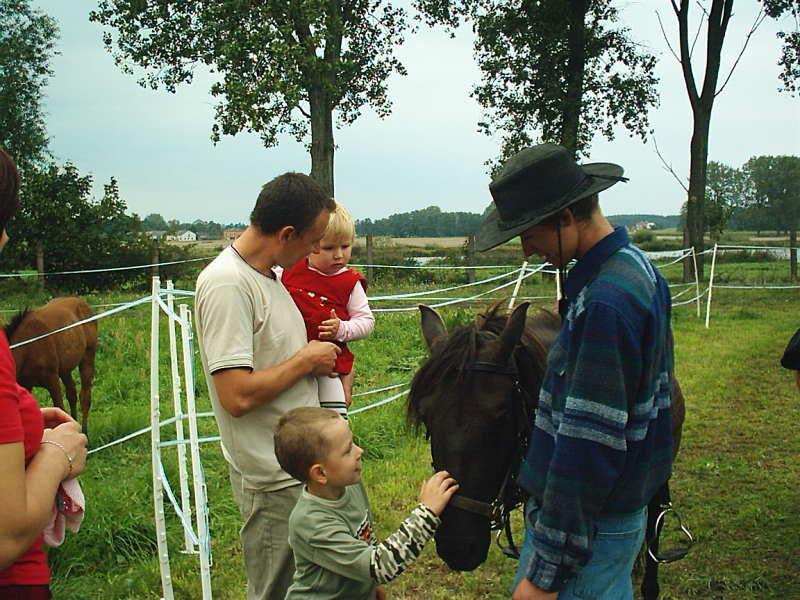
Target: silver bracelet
[(64, 450)]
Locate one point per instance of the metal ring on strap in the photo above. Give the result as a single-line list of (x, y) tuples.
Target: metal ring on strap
[(677, 553)]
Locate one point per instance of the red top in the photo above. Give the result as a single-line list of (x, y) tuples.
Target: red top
[(316, 295), (21, 421)]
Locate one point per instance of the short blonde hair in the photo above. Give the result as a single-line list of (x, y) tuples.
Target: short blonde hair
[(300, 440), (341, 225)]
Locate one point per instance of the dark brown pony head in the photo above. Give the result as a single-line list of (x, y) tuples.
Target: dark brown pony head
[(15, 322), (469, 414)]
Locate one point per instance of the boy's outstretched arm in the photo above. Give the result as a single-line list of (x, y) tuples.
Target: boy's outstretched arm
[(393, 555), (334, 548)]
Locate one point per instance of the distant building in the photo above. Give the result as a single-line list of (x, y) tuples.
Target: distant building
[(183, 236), (156, 234), (232, 234), (643, 226)]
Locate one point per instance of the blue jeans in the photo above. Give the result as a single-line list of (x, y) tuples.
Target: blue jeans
[(607, 575)]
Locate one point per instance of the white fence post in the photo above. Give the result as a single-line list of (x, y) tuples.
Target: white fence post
[(186, 505), (155, 447), (200, 492), (519, 282), (711, 285)]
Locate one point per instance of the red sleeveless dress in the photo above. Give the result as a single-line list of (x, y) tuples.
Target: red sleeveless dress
[(316, 295)]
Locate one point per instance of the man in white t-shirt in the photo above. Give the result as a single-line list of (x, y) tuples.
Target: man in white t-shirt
[(258, 365)]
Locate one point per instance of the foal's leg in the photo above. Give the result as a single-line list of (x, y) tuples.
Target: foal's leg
[(86, 369), (72, 393), (52, 385)]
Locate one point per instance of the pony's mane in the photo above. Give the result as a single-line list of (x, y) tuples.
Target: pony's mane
[(15, 322), (451, 356)]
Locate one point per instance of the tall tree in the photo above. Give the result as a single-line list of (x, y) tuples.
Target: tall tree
[(27, 42), (702, 103), (717, 17), (554, 70), (154, 222), (285, 66), (775, 187)]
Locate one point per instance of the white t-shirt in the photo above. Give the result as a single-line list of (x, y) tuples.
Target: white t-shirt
[(246, 319)]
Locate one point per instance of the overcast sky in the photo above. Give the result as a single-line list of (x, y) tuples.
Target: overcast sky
[(428, 151)]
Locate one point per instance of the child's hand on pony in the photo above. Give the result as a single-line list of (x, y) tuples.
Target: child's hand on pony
[(437, 491)]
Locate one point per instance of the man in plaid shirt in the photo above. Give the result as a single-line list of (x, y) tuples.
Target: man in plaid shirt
[(601, 444)]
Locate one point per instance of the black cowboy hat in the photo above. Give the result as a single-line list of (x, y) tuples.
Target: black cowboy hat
[(791, 356), (536, 183)]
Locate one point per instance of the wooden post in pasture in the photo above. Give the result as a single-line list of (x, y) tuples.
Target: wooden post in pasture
[(369, 257), (40, 262), (471, 258), (155, 260), (696, 281)]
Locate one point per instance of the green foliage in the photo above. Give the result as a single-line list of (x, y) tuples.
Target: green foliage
[(74, 231), (282, 66), (554, 70), (790, 52), (726, 189), (154, 222), (775, 182), (642, 237), (27, 44), (427, 222)]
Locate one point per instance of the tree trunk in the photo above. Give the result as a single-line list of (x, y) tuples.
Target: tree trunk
[(702, 102), (155, 259), (40, 262), (793, 254), (471, 258), (698, 164), (321, 139), (370, 257), (573, 99)]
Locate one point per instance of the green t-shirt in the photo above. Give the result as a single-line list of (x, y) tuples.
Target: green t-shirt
[(335, 551)]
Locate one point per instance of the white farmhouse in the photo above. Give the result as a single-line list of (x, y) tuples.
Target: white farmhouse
[(183, 236)]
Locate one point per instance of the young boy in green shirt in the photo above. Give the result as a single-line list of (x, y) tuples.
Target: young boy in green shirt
[(330, 529)]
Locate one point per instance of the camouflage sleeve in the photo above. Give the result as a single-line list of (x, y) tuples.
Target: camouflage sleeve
[(393, 555)]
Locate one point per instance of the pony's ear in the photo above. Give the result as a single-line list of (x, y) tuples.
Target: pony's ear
[(432, 325), (512, 332)]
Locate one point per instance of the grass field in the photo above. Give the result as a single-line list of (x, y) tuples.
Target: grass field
[(735, 482)]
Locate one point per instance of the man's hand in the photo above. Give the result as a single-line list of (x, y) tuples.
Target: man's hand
[(53, 417), (329, 328), (379, 593), (527, 591), (321, 357)]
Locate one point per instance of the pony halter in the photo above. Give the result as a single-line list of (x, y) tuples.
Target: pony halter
[(509, 496)]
